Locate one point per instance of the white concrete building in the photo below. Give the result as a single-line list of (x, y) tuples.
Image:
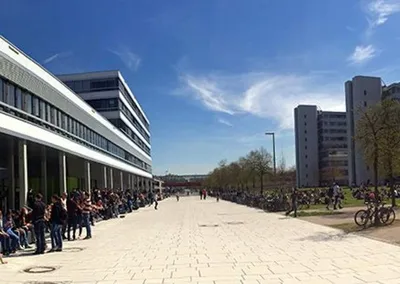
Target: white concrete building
[(321, 146), (361, 92), (306, 140), (51, 140)]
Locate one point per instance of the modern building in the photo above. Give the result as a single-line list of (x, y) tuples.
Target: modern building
[(108, 93), (361, 92), (321, 146), (52, 141)]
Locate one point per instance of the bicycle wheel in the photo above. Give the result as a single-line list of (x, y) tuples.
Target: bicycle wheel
[(361, 217), (387, 215)]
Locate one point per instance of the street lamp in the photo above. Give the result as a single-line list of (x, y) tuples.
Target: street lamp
[(273, 148)]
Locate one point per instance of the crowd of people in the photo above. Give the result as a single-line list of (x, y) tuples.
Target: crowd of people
[(65, 218)]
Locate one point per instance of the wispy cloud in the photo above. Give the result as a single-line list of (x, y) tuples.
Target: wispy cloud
[(263, 94), (129, 58), (378, 12), (57, 56), (362, 54), (225, 122)]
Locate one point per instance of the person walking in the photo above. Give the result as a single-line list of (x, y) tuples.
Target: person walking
[(337, 195), (329, 196), (293, 198), (38, 221), (155, 201), (177, 196), (218, 195)]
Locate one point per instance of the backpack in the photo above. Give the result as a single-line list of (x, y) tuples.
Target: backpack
[(63, 214)]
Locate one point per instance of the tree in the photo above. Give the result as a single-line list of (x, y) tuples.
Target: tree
[(254, 168), (261, 161), (378, 132), (389, 142), (368, 131)]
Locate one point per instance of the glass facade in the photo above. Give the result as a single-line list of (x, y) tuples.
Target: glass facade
[(97, 85), (117, 104), (30, 107), (131, 135)]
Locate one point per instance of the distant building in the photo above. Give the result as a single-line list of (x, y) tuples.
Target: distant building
[(361, 92), (321, 146)]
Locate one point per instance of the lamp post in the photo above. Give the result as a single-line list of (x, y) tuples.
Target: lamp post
[(273, 148)]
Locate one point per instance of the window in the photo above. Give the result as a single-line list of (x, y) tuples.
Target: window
[(305, 147), (306, 156), (365, 103), (305, 139), (35, 106), (306, 175), (11, 95), (27, 103), (18, 98), (306, 165), (305, 131), (305, 116), (365, 92)]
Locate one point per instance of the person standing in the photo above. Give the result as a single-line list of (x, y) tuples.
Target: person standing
[(217, 195), (57, 218), (293, 198), (38, 221), (86, 210), (72, 209)]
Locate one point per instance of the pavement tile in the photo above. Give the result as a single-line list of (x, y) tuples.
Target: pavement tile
[(168, 246)]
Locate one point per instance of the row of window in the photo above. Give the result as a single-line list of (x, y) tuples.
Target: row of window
[(341, 116), (330, 138), (117, 104), (332, 131), (131, 134), (97, 85), (40, 112), (332, 123)]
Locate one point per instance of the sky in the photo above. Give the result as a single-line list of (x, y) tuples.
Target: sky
[(214, 75)]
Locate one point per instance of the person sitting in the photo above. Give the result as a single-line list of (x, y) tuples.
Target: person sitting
[(11, 230), (4, 237)]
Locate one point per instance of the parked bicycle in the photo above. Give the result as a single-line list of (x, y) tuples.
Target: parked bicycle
[(386, 215)]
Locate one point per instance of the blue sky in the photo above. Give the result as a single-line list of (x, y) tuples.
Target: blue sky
[(214, 75)]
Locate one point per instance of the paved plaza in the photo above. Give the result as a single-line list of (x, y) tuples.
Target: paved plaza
[(202, 241)]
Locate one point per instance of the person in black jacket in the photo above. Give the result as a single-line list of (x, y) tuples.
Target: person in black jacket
[(38, 221), (293, 198), (57, 219)]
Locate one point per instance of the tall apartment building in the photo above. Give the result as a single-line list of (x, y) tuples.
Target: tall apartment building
[(321, 146), (361, 92)]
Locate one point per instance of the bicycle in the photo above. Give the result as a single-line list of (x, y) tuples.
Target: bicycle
[(386, 215)]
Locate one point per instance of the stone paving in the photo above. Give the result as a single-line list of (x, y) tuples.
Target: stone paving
[(194, 241)]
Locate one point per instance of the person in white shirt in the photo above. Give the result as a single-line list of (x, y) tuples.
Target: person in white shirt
[(337, 195)]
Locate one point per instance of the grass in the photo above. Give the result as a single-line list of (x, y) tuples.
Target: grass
[(349, 201), (303, 213)]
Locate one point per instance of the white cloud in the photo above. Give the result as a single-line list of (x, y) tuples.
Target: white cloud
[(379, 11), (225, 122), (130, 59), (57, 55), (362, 54), (271, 96)]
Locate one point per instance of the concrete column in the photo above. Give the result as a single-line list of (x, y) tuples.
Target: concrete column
[(111, 179), (62, 165), (129, 182), (43, 173), (23, 172), (88, 184), (104, 169), (11, 175), (121, 178)]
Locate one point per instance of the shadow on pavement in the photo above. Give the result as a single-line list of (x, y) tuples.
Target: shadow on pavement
[(326, 237)]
